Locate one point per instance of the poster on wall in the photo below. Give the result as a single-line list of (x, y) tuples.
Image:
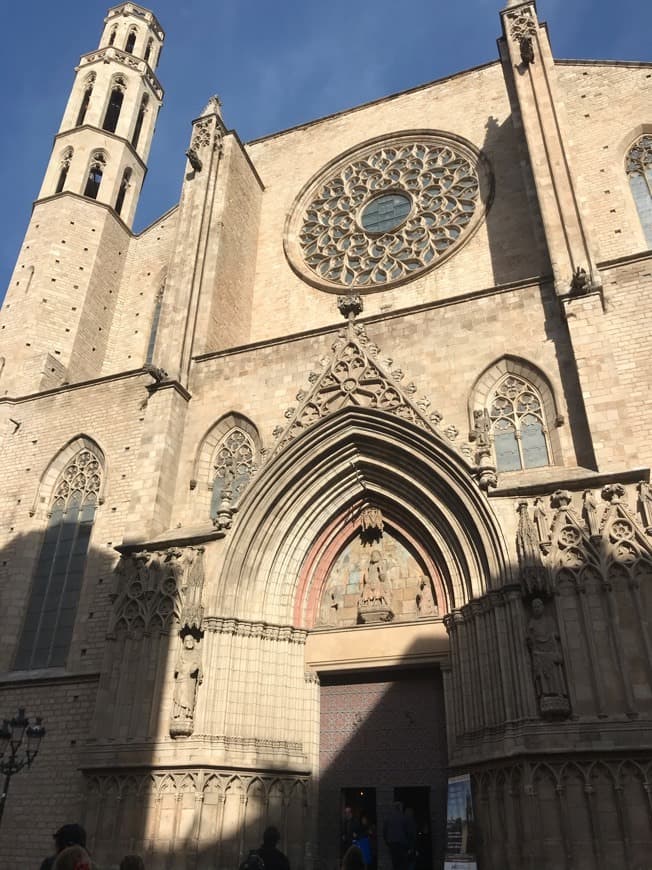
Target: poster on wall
[(460, 825)]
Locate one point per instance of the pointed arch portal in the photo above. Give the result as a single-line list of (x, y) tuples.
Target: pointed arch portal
[(303, 507), (381, 731)]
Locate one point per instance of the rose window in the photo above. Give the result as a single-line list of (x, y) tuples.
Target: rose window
[(387, 212)]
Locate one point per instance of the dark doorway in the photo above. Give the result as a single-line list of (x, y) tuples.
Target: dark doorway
[(358, 825), (416, 806), (383, 733)]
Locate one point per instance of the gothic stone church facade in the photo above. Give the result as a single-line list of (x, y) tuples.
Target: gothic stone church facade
[(334, 481)]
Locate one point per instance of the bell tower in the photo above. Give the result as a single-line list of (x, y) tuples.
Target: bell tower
[(102, 146), (57, 314)]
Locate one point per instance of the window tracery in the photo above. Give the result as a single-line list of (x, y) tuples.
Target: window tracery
[(518, 425), (234, 466), (49, 623), (387, 211), (638, 166)]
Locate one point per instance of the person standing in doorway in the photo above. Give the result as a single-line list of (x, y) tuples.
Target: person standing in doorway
[(395, 837)]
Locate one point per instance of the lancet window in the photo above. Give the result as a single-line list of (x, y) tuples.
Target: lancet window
[(148, 49), (122, 191), (86, 98), (52, 606), (115, 105), (638, 166), (95, 173), (518, 425), (139, 120), (131, 41), (233, 463), (66, 158)]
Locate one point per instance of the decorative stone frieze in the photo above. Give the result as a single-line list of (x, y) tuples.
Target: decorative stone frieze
[(157, 589), (559, 802), (153, 806), (594, 557), (246, 628), (353, 376)]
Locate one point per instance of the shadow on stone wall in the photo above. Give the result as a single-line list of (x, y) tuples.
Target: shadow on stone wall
[(541, 801), (505, 230)]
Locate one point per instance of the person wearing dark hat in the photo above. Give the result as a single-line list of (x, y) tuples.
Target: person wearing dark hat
[(272, 857), (67, 835)]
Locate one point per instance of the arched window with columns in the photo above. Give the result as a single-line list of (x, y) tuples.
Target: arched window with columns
[(74, 493), (131, 40), (518, 425), (86, 98), (66, 159), (638, 166), (95, 174), (517, 405), (115, 104), (226, 461)]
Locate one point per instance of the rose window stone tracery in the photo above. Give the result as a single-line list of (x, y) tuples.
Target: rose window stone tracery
[(387, 212)]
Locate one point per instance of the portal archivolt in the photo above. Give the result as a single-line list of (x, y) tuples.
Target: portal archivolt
[(305, 506)]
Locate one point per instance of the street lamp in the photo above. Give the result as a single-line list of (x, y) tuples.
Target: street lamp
[(15, 734)]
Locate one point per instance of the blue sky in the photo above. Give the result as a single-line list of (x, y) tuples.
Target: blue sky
[(274, 64)]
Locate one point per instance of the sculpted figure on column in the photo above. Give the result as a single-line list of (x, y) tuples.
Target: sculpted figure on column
[(547, 662), (187, 677)]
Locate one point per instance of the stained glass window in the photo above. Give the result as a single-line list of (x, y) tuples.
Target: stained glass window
[(54, 597), (385, 212), (518, 425), (234, 465), (639, 170)]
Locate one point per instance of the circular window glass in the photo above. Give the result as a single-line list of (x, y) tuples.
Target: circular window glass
[(385, 213)]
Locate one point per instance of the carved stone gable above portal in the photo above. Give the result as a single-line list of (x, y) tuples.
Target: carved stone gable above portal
[(355, 376)]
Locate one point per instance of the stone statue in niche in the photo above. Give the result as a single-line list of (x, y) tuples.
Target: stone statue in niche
[(376, 594), (188, 677), (481, 433), (547, 662), (426, 605)]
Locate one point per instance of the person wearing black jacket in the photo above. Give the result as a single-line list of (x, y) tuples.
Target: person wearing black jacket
[(272, 857)]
